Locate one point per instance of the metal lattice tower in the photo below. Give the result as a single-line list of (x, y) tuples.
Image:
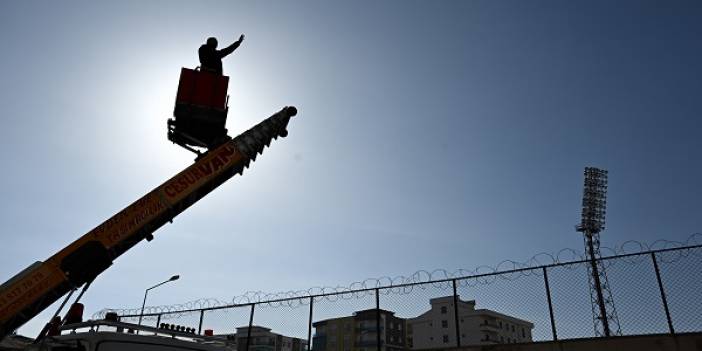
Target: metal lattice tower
[(604, 314)]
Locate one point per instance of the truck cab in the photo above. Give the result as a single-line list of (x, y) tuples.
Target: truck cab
[(106, 335)]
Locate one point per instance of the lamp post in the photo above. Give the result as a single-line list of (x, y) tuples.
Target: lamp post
[(173, 278)]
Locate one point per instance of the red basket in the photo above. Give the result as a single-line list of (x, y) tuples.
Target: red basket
[(203, 89)]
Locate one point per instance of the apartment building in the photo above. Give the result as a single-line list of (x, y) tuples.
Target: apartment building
[(263, 339), (359, 332), (436, 328)]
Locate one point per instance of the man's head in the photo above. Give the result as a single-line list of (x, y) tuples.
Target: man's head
[(212, 42)]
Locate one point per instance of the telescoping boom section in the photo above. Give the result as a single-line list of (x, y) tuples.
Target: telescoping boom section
[(41, 284)]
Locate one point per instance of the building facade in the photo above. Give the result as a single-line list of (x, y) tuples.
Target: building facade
[(436, 328), (263, 339), (360, 332)]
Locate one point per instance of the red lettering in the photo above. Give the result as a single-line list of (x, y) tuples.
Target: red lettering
[(227, 151), (206, 169), (203, 170), (197, 174), (183, 182), (169, 190), (217, 163)]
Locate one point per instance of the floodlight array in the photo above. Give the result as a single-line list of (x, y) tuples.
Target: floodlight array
[(594, 201)]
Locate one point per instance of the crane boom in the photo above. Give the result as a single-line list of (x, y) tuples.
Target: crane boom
[(41, 284)]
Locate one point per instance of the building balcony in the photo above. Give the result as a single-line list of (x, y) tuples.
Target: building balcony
[(489, 326), (367, 343), (369, 328)]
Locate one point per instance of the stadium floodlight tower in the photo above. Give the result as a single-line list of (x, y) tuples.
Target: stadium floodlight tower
[(604, 315)]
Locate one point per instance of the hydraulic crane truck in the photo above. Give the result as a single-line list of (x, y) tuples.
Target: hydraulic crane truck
[(200, 115)]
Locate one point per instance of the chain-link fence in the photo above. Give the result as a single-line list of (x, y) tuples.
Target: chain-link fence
[(652, 292)]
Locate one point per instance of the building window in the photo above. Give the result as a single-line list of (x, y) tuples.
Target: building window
[(431, 338), (523, 333), (509, 341), (444, 309), (512, 328), (399, 326), (431, 324), (500, 324), (487, 337), (444, 323), (446, 339)]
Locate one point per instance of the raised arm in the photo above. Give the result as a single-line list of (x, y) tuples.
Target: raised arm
[(229, 49)]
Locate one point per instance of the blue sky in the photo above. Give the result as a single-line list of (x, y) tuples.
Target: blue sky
[(430, 135)]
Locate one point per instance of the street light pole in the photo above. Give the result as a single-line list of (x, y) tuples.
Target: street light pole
[(141, 315)]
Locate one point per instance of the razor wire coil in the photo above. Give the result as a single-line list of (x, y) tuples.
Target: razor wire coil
[(631, 252)]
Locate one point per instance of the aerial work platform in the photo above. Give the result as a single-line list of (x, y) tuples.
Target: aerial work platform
[(200, 110)]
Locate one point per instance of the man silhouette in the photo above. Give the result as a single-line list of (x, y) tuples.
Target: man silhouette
[(211, 58)]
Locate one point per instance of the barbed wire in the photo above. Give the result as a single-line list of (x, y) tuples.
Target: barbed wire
[(421, 279)]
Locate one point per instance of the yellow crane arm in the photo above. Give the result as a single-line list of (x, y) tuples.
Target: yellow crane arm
[(28, 293)]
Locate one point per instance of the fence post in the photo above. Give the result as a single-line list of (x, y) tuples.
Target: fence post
[(158, 322), (550, 304), (309, 325), (248, 332), (455, 314), (377, 316), (202, 316), (663, 297)]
